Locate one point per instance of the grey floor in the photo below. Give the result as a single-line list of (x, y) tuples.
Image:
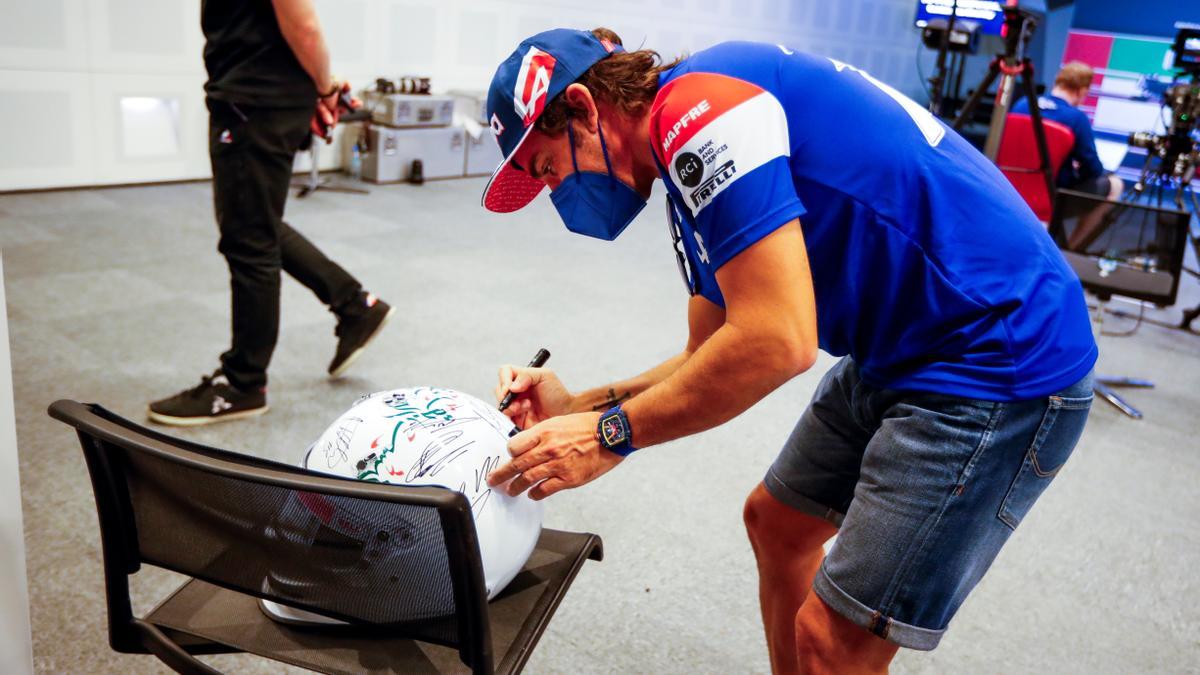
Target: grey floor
[(118, 296)]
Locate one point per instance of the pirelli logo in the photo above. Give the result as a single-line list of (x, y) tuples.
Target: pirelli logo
[(710, 187)]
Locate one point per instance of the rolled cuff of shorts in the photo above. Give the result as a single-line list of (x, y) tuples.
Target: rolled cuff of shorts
[(798, 501), (903, 634)]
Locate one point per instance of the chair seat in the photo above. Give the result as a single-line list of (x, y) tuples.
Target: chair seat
[(517, 618)]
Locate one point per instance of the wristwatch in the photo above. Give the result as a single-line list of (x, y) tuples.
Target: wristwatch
[(614, 432)]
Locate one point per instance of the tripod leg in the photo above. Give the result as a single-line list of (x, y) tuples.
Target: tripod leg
[(1189, 316), (1112, 397), (1125, 382), (968, 109), (1039, 131)]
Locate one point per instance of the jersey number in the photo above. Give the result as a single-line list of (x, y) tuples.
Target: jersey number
[(930, 128)]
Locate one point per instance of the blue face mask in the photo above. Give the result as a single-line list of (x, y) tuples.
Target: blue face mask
[(595, 204)]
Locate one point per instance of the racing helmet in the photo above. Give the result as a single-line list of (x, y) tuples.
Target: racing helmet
[(423, 436)]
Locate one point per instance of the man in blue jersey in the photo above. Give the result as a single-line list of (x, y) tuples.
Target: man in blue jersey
[(813, 207), (1083, 171)]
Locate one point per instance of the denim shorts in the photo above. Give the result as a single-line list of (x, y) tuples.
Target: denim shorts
[(925, 489)]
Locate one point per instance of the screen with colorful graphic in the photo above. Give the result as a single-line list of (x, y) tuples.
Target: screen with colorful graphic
[(1132, 73)]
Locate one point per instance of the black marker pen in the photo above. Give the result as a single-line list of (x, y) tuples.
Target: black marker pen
[(538, 361)]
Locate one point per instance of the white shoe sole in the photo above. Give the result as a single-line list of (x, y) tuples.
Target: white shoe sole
[(295, 617), (201, 421), (358, 352)]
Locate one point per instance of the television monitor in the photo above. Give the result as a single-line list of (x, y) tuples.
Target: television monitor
[(1187, 49), (1122, 248), (988, 14)]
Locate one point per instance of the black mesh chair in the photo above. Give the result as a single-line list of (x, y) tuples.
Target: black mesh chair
[(407, 579)]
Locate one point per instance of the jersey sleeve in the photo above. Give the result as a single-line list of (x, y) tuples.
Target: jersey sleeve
[(1084, 151), (723, 143)]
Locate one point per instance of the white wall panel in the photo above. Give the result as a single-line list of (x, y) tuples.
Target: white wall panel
[(145, 36), (114, 163), (50, 149), (29, 26), (43, 35), (409, 36), (478, 39), (128, 19), (348, 34), (49, 139)]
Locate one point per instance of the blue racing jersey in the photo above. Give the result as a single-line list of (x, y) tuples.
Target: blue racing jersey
[(1083, 151), (928, 268)]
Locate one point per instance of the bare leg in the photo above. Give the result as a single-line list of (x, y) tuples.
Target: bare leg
[(787, 545), (1088, 229), (829, 643)]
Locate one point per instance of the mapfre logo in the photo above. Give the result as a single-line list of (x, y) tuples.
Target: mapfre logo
[(533, 83), (690, 116)]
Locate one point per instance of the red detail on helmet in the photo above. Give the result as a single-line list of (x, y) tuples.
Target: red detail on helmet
[(319, 505)]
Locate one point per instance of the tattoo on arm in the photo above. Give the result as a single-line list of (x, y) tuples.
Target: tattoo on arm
[(613, 400)]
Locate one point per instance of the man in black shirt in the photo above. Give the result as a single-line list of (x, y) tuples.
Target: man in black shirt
[(268, 85)]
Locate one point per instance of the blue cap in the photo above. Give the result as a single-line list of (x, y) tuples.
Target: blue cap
[(540, 69)]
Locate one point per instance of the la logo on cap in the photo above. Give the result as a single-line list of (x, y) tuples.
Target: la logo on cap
[(533, 83)]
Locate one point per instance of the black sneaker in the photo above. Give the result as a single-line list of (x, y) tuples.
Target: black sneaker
[(356, 331), (213, 400)]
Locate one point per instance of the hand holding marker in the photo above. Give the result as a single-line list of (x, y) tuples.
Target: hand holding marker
[(538, 361)]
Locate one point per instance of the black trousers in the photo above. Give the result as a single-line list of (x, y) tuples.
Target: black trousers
[(252, 149)]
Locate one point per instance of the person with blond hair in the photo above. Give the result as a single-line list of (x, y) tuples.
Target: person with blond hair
[(1082, 171)]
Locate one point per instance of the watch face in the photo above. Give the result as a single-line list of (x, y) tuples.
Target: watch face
[(613, 430)]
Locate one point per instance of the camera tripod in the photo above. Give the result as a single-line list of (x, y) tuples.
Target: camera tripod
[(937, 82), (1176, 167), (1173, 173), (314, 181), (1010, 65)]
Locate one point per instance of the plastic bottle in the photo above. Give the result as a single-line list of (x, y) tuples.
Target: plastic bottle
[(356, 162)]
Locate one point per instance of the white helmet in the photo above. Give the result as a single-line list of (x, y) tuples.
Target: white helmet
[(418, 436)]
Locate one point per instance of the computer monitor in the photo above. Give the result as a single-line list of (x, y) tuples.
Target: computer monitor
[(1121, 248), (1187, 49), (988, 14)]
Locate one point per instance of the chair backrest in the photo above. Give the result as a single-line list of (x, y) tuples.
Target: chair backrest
[(1019, 160), (1134, 250), (403, 557)]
